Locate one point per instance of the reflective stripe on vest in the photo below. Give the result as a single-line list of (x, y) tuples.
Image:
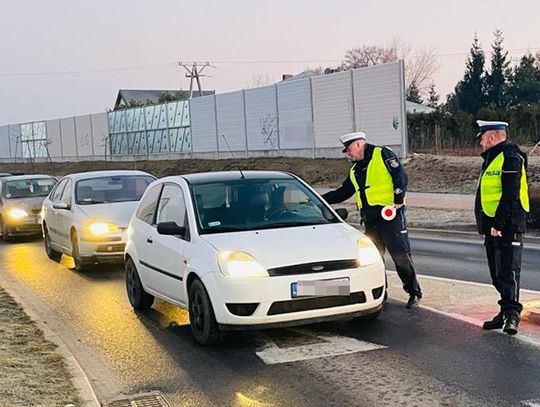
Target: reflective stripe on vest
[(379, 183), (491, 187)]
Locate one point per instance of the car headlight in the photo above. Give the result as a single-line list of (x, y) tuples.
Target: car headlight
[(240, 264), (367, 252), (16, 214), (102, 228)]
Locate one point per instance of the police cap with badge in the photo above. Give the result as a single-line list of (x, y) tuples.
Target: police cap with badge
[(349, 138), (484, 125)]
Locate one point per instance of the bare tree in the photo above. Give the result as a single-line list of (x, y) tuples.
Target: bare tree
[(258, 80), (420, 63)]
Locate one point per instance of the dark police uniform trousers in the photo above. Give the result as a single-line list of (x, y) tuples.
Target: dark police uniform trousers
[(393, 236), (504, 262)]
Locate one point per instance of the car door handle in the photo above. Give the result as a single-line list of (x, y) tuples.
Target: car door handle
[(149, 240)]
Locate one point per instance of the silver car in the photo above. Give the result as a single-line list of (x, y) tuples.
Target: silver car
[(21, 197), (86, 216)]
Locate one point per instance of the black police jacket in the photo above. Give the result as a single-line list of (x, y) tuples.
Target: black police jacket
[(371, 214), (510, 215)]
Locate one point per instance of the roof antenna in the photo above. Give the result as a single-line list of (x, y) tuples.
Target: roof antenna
[(230, 150)]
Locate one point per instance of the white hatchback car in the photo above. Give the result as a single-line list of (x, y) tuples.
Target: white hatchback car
[(251, 249), (87, 214)]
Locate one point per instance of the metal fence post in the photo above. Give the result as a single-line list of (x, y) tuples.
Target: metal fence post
[(217, 126), (353, 104), (312, 115), (277, 122), (76, 138), (245, 122)]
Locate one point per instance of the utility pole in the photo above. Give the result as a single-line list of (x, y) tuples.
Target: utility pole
[(194, 73)]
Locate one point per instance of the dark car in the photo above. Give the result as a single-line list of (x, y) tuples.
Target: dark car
[(21, 197)]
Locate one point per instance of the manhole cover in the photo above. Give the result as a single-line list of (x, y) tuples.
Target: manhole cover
[(150, 399)]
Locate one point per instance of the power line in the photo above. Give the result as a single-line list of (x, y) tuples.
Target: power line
[(223, 62)]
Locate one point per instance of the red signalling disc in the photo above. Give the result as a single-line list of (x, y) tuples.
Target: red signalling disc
[(388, 212)]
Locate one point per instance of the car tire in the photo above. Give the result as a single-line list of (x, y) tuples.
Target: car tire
[(51, 253), (203, 323), (79, 264), (138, 298)]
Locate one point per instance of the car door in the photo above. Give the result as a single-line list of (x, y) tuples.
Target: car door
[(166, 258), (143, 231), (49, 212), (64, 216)]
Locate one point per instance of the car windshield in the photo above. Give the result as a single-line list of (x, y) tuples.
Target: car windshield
[(257, 204), (28, 188), (121, 188)]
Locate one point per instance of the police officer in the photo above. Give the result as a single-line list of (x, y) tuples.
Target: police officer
[(502, 202), (378, 180)]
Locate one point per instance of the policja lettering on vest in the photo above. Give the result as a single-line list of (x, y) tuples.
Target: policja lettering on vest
[(501, 204), (378, 180)]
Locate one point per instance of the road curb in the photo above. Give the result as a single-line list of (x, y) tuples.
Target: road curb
[(78, 376)]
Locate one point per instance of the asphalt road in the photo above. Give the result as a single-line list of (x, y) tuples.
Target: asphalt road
[(425, 359)]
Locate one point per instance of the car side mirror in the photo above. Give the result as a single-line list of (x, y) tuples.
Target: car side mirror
[(171, 229), (343, 213), (62, 205)]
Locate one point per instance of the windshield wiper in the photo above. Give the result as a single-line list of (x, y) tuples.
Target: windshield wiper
[(275, 225), (220, 229)]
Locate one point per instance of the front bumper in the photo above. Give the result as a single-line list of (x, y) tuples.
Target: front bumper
[(103, 249), (27, 226), (260, 302)]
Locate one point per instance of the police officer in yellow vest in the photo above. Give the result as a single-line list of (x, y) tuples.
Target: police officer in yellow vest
[(378, 180), (502, 202)]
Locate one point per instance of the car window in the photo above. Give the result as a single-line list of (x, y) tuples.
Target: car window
[(66, 193), (57, 192), (147, 206), (28, 188), (172, 206), (118, 188)]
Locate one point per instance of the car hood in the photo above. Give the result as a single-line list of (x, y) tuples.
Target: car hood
[(32, 203), (287, 246), (118, 213)]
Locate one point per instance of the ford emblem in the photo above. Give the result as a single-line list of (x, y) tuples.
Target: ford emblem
[(317, 268)]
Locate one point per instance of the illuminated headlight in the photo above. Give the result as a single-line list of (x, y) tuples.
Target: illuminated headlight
[(367, 252), (100, 228), (240, 264), (16, 214)]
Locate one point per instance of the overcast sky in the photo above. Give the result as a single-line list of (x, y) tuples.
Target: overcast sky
[(61, 58)]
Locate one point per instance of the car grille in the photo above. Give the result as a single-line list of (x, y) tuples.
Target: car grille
[(307, 304), (317, 267)]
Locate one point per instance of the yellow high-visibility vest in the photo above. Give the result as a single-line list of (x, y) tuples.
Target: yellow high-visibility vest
[(491, 187), (379, 183)]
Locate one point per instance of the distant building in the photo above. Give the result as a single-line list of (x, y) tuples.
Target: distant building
[(413, 107), (143, 97)]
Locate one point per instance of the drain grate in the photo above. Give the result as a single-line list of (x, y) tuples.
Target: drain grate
[(150, 399)]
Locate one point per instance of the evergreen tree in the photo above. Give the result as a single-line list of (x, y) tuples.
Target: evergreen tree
[(469, 92), (433, 97), (497, 78), (524, 83), (413, 94)]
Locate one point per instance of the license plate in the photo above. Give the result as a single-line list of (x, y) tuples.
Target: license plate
[(321, 288)]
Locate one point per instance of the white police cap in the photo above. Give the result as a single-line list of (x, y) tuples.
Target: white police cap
[(349, 138), (484, 125)]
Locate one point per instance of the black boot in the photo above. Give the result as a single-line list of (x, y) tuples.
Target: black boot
[(511, 326), (496, 323), (413, 302)]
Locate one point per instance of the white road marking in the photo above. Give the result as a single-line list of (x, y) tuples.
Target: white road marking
[(328, 345), (531, 403)]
